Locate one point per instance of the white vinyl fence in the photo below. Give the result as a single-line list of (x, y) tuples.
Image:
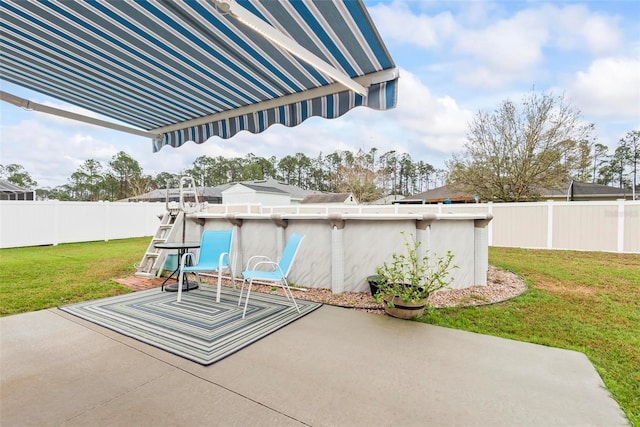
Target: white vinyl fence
[(35, 223), (611, 226)]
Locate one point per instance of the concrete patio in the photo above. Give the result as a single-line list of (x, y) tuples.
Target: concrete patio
[(334, 367)]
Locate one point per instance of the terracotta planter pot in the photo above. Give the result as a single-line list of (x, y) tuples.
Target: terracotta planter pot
[(404, 310)]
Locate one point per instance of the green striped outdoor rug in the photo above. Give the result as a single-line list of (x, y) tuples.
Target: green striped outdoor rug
[(198, 328)]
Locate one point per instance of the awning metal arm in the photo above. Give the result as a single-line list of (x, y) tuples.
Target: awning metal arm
[(34, 106), (287, 43)]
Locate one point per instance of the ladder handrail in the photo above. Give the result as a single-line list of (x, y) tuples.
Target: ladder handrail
[(190, 190)]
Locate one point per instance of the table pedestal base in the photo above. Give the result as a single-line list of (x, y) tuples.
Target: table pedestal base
[(186, 286)]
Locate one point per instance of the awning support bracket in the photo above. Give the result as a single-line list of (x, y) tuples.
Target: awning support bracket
[(34, 106)]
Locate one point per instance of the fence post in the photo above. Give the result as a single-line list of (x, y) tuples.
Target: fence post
[(490, 226), (549, 224), (621, 225), (337, 253), (106, 219), (481, 249), (56, 222)]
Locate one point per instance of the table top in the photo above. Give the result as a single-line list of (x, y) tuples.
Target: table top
[(177, 245)]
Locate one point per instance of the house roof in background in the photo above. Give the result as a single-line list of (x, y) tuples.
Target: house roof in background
[(10, 191), (387, 199), (10, 188), (258, 188), (584, 189), (571, 191), (436, 195), (174, 193), (295, 192), (327, 198)]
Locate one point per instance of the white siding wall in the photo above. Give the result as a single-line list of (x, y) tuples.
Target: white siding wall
[(239, 194)]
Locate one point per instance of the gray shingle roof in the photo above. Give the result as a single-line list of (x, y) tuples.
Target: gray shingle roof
[(9, 187), (268, 185), (262, 188), (327, 198)]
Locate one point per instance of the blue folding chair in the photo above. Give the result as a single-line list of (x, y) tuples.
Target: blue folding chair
[(213, 257), (269, 271)]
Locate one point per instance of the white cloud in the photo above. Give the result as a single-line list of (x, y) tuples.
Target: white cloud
[(611, 87), (399, 25), (436, 123), (495, 46), (574, 27), (511, 45), (40, 149)]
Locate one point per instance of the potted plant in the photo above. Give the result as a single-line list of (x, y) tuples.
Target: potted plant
[(409, 279), (374, 281)]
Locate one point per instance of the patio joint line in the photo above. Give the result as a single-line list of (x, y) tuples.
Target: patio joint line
[(119, 395)]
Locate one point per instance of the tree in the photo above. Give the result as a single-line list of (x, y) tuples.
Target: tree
[(303, 170), (357, 178), (164, 180), (319, 177), (126, 171), (17, 175), (85, 182), (425, 175), (408, 176), (207, 171), (631, 153), (62, 193), (600, 155), (257, 168), (582, 163), (388, 172), (333, 162), (517, 150), (619, 163), (287, 167)]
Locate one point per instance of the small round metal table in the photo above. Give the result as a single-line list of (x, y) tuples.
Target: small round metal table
[(182, 248)]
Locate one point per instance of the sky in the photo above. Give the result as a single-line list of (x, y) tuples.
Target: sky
[(456, 58)]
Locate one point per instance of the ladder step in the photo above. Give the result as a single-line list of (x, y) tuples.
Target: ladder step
[(144, 274), (150, 266)]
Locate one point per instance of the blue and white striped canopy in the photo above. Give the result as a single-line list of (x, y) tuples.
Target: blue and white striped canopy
[(189, 70)]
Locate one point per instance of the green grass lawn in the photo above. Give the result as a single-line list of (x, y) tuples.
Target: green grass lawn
[(36, 278), (584, 301)]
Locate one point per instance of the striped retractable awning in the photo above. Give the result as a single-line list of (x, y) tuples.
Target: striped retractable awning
[(189, 70)]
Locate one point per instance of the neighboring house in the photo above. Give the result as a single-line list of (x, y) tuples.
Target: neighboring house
[(574, 191), (587, 191), (444, 194), (251, 193), (387, 200), (297, 194), (331, 198), (213, 195), (10, 191)]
